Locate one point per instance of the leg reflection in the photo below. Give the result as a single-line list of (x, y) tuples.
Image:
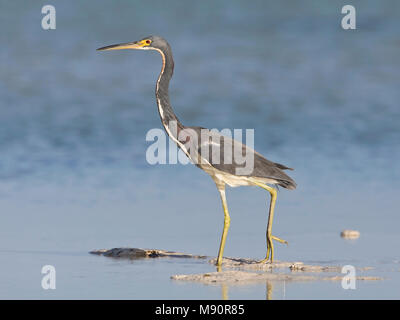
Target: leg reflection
[(270, 289), (224, 291)]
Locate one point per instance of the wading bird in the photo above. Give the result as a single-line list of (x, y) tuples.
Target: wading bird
[(202, 152)]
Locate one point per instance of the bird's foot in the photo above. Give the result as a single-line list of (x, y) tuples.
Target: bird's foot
[(279, 240), (270, 249), (266, 260)]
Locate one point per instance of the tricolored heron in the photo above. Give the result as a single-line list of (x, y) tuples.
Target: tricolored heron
[(264, 173)]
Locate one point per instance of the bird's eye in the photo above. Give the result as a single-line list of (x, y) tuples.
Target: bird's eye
[(148, 41)]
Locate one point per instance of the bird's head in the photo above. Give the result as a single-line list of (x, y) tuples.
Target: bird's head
[(147, 43)]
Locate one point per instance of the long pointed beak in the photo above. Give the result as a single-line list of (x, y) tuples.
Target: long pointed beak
[(122, 46)]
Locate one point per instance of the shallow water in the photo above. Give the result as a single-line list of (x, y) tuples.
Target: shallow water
[(73, 121)]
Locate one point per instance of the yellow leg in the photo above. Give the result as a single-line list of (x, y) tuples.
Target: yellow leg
[(270, 237), (227, 221)]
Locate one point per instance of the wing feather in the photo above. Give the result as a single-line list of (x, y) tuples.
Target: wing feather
[(229, 155)]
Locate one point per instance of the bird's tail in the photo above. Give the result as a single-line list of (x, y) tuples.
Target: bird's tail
[(288, 184)]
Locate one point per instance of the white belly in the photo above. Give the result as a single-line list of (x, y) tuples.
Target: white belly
[(232, 180)]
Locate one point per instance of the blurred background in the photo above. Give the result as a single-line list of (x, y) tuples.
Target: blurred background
[(73, 121)]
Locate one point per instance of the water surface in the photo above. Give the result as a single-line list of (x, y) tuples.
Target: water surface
[(73, 121)]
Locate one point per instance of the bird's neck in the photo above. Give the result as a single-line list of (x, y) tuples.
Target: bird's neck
[(167, 115)]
